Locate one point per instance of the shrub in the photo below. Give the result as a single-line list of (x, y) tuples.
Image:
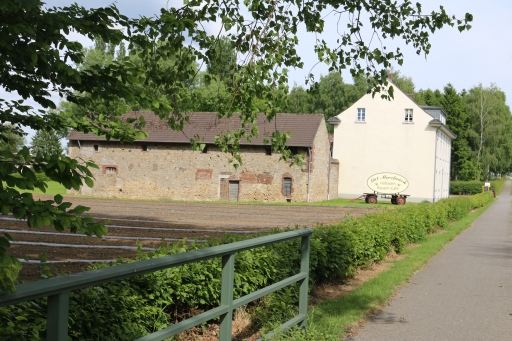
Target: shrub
[(474, 187)]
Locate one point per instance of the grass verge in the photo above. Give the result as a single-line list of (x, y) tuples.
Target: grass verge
[(52, 189), (334, 317)]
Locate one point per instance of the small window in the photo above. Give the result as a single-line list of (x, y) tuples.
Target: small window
[(96, 147), (268, 151), (408, 115), (361, 114), (144, 148), (294, 151), (110, 170), (287, 186), (205, 150)]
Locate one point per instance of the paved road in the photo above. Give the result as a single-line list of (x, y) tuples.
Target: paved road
[(464, 293)]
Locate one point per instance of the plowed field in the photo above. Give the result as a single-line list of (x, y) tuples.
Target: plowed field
[(150, 223)]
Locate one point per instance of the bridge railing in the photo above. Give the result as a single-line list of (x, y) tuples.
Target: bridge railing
[(57, 289)]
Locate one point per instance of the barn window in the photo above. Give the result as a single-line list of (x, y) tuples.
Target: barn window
[(287, 186), (109, 170), (268, 151), (205, 150), (96, 147), (144, 148)]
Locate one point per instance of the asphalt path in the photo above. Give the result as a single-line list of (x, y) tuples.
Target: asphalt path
[(463, 293)]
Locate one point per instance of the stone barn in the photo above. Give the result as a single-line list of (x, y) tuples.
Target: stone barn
[(164, 166)]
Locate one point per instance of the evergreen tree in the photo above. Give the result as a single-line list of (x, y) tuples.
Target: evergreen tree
[(46, 143), (462, 165), (11, 138), (429, 97)]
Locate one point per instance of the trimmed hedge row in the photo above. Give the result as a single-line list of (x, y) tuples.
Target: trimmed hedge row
[(474, 187), (130, 308)]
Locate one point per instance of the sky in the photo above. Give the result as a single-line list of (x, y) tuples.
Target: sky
[(480, 55)]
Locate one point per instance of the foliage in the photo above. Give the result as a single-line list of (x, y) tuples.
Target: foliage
[(473, 187), (402, 82), (330, 96), (491, 129), (46, 143), (482, 121), (129, 308), (11, 138)]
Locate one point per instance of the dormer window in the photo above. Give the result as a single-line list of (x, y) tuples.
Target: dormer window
[(361, 113), (408, 115)]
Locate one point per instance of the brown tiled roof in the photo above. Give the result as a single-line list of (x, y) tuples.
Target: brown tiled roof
[(303, 128)]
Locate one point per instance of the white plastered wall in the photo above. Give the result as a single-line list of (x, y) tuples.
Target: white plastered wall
[(386, 143)]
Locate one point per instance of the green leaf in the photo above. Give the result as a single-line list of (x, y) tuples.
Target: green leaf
[(80, 209), (89, 182), (6, 209), (58, 199), (4, 242)]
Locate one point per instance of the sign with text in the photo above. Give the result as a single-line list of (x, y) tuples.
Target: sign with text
[(387, 183)]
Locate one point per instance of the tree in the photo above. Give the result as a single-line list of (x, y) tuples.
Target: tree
[(223, 59), (11, 139), (462, 165), (481, 105), (429, 97), (46, 143), (330, 96), (404, 83), (38, 57)]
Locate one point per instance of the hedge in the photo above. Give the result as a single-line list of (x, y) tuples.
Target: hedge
[(474, 187), (130, 308)]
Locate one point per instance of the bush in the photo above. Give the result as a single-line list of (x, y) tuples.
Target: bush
[(130, 308), (474, 187)]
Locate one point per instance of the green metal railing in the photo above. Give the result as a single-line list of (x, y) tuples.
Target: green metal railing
[(57, 289)]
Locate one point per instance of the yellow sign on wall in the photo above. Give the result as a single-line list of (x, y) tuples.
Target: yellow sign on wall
[(387, 183)]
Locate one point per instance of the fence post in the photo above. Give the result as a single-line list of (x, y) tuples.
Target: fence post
[(226, 296), (57, 320), (304, 268)]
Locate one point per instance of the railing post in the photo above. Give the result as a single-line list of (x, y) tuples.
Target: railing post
[(226, 296), (57, 320), (304, 268)]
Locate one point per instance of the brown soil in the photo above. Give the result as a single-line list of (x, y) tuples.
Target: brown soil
[(147, 219)]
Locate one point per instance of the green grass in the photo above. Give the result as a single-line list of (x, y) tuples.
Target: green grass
[(52, 189), (333, 202), (333, 317)]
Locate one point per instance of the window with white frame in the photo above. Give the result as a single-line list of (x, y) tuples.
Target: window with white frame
[(361, 114), (408, 115)]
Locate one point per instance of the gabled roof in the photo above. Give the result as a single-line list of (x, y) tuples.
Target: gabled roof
[(303, 128)]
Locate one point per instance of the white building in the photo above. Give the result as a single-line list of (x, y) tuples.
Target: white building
[(376, 135)]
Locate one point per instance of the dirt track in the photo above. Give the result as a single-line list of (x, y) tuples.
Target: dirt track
[(150, 222)]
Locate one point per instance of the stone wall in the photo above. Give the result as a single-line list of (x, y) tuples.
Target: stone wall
[(174, 171)]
